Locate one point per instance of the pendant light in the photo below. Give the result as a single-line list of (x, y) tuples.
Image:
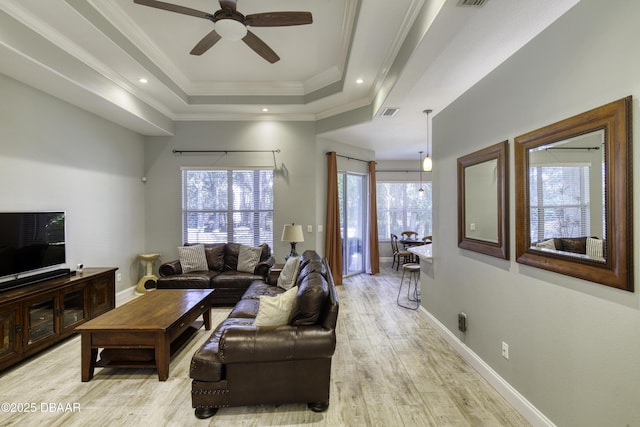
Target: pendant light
[(420, 190), (427, 164)]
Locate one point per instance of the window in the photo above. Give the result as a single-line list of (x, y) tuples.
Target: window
[(559, 201), (402, 208), (220, 206)]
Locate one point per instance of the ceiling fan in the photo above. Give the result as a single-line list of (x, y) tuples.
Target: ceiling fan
[(231, 24)]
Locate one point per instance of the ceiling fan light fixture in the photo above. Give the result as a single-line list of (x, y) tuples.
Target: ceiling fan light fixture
[(230, 29)]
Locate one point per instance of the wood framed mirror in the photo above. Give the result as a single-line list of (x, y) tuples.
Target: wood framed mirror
[(483, 205), (574, 196)]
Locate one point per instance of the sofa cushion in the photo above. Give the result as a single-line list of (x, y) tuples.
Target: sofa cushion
[(193, 280), (547, 244), (309, 256), (276, 311), (576, 245), (231, 251), (259, 288), (192, 258), (215, 256), (246, 309), (289, 273), (234, 279), (311, 299), (248, 258), (595, 247)]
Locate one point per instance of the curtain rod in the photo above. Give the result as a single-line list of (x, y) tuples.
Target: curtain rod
[(397, 170), (225, 151), (351, 158), (572, 148)]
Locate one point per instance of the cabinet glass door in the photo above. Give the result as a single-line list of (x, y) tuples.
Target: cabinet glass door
[(41, 320), (7, 333), (73, 307)]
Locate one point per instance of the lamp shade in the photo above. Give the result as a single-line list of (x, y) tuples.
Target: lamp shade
[(292, 233), (427, 164)]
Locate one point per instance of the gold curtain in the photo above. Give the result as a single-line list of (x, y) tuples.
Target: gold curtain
[(374, 252), (333, 240)]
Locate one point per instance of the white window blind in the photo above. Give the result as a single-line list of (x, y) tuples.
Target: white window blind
[(220, 206), (559, 200)]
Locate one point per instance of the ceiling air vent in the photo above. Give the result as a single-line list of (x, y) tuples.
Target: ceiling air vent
[(389, 112), (474, 3)]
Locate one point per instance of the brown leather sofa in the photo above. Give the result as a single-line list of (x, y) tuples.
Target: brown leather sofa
[(242, 364), (575, 245), (222, 260)]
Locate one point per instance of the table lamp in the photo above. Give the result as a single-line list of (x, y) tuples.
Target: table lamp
[(293, 234)]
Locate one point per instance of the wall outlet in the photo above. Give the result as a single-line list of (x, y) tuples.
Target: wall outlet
[(309, 228), (462, 322), (118, 277), (505, 350)]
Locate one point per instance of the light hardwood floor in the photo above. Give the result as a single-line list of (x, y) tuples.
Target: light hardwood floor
[(390, 369)]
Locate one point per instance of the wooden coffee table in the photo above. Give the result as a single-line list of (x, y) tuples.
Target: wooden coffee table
[(145, 332)]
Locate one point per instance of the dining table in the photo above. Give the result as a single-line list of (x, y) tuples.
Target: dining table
[(412, 242)]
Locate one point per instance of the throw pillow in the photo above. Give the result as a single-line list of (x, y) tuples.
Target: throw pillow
[(594, 247), (547, 244), (192, 258), (275, 311), (248, 258), (289, 273)]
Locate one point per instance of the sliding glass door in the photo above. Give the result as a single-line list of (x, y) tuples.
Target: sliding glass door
[(352, 195)]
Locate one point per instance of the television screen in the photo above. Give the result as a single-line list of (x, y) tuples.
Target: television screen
[(31, 241)]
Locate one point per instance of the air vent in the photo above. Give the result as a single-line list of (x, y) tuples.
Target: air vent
[(389, 112), (473, 3)]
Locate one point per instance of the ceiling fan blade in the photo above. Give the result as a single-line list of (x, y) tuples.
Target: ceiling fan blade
[(260, 47), (206, 43), (174, 8), (278, 19), (228, 4)]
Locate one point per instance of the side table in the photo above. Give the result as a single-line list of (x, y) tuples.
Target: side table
[(274, 272), (148, 259)]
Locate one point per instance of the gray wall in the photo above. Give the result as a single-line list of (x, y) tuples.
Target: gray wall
[(54, 156), (300, 180), (574, 345)]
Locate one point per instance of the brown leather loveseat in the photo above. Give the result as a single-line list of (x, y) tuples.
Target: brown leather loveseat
[(222, 275), (243, 364)]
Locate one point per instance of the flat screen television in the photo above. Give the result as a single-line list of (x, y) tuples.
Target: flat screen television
[(30, 241)]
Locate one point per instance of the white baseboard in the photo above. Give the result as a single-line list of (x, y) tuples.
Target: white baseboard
[(511, 395), (125, 295)]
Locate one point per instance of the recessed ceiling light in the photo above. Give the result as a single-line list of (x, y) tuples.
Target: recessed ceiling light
[(143, 80), (359, 81), (264, 110)]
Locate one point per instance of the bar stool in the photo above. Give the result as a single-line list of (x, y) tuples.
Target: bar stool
[(413, 270)]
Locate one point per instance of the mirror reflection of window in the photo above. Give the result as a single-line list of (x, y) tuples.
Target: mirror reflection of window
[(600, 139), (566, 196), (559, 201)]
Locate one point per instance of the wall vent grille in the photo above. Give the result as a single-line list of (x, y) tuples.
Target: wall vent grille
[(473, 3), (389, 112)]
